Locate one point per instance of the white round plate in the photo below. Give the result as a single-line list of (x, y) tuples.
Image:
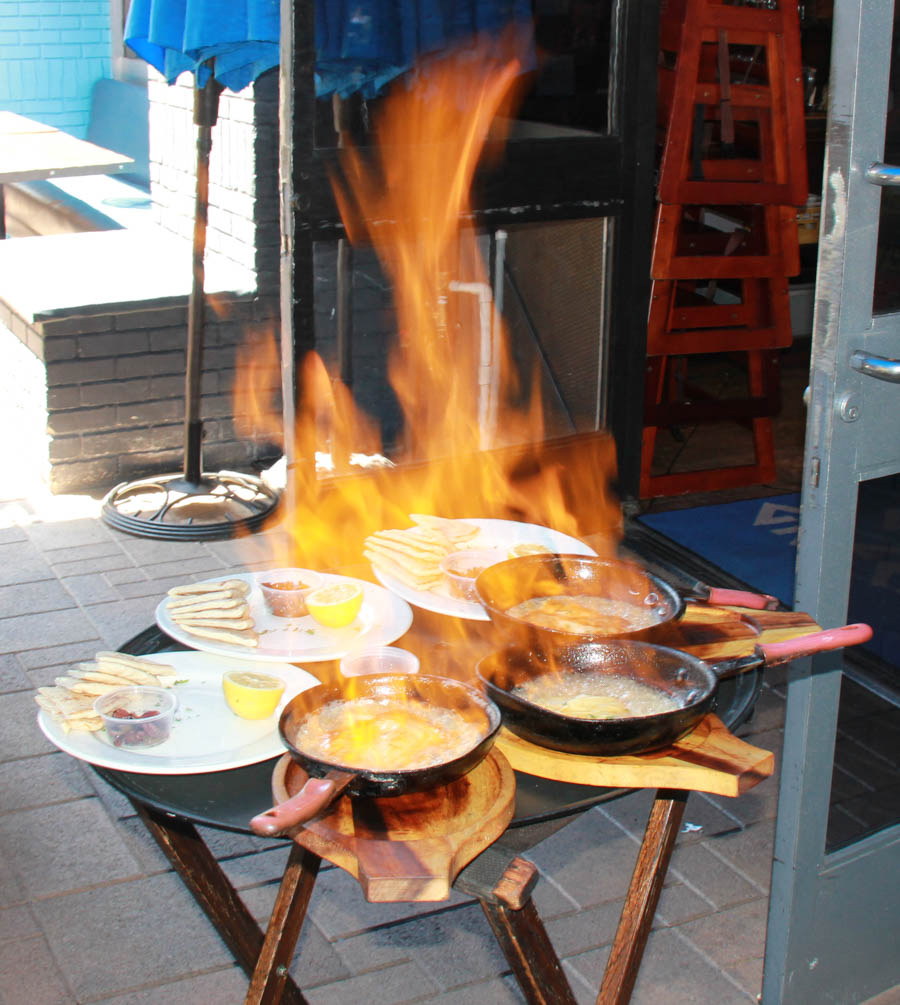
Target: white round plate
[(493, 534), (206, 735), (382, 619)]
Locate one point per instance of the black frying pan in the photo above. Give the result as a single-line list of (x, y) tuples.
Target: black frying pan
[(691, 682), (503, 586), (327, 781)]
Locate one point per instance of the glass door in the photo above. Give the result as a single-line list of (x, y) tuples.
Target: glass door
[(834, 919)]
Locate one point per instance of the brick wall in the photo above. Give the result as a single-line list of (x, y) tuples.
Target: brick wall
[(243, 222), (115, 392), (51, 54)]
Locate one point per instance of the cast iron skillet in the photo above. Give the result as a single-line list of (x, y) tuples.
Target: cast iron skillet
[(327, 781), (691, 682), (506, 584)]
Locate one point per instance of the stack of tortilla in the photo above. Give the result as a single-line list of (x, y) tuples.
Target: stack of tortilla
[(413, 555), (217, 611)]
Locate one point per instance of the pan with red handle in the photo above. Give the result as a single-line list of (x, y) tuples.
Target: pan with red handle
[(689, 684), (329, 780)]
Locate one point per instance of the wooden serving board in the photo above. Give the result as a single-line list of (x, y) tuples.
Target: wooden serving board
[(412, 847), (708, 759)]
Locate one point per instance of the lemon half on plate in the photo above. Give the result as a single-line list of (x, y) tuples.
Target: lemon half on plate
[(252, 695), (336, 605)]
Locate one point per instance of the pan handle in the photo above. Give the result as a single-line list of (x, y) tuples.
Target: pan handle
[(774, 653), (315, 795), (741, 598), (818, 642), (720, 597)]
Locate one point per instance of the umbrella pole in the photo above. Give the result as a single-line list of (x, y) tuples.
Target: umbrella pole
[(206, 109), (191, 505)]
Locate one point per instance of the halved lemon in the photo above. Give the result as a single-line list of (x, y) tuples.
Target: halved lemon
[(252, 695), (527, 548), (336, 605)]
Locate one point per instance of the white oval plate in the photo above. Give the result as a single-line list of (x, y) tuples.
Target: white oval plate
[(206, 735), (382, 619), (493, 534)]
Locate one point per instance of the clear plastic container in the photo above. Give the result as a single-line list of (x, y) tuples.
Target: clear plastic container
[(462, 568), (139, 716), (379, 659), (285, 590)]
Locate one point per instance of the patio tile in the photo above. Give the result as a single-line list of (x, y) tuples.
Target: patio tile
[(91, 588), (679, 903), (31, 631), (583, 930), (20, 736), (17, 923), (40, 781), (34, 598), (202, 567), (500, 991), (258, 868), (126, 936), (21, 562), (591, 859), (339, 908), (127, 574), (120, 621), (735, 934), (59, 655), (711, 876), (633, 811), (390, 986), (156, 588), (148, 551), (749, 850), (12, 675), (748, 973), (37, 983), (68, 534), (228, 844), (12, 892), (61, 848), (225, 985), (11, 534), (454, 947), (672, 973), (91, 565)]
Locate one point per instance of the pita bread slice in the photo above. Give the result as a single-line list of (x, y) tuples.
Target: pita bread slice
[(235, 613), (234, 626), (128, 673), (196, 589), (245, 638), (417, 580), (223, 599), (457, 531)]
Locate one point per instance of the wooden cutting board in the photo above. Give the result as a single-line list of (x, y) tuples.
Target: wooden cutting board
[(708, 759), (412, 847)]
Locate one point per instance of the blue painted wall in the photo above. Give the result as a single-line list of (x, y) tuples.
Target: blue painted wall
[(51, 54)]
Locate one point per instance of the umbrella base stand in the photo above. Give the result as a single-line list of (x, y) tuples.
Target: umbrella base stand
[(174, 508)]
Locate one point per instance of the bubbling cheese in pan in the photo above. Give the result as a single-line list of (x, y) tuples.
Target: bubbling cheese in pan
[(375, 734), (585, 614), (595, 696)]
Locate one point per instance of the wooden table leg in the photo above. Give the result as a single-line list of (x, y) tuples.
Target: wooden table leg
[(212, 890), (523, 938), (643, 896), (285, 923)]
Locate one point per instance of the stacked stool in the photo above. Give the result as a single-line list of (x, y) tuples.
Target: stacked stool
[(732, 174)]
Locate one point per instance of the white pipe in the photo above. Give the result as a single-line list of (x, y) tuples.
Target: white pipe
[(487, 391)]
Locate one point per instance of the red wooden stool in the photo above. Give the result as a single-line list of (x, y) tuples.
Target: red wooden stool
[(668, 402), (732, 72), (735, 242), (686, 317)]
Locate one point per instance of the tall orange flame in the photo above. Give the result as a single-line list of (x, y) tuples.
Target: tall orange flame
[(467, 449)]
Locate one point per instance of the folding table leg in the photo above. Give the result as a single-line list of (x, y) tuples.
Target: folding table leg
[(212, 890), (643, 896), (523, 938), (285, 923)]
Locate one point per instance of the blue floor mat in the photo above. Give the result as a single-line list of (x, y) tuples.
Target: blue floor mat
[(755, 540)]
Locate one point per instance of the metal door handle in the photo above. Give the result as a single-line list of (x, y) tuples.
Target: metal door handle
[(883, 174), (876, 366)]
